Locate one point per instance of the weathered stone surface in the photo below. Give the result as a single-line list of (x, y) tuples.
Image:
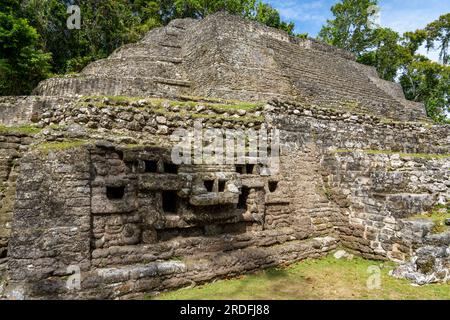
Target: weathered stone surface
[(429, 264), (261, 63), (96, 190)]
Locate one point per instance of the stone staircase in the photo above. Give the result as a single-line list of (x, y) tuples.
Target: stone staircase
[(227, 57), (151, 67), (331, 80)]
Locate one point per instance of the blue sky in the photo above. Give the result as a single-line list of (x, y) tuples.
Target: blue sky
[(399, 15)]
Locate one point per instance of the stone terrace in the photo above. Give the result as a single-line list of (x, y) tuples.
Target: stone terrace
[(87, 181)]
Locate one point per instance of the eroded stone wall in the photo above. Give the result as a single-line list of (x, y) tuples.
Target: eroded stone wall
[(227, 57), (104, 209), (379, 192), (12, 146), (98, 191)]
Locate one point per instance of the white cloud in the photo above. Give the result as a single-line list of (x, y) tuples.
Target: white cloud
[(415, 15), (399, 15)]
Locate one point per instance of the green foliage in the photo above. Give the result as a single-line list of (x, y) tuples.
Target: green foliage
[(438, 37), (312, 279), (258, 11), (105, 25), (394, 56), (413, 40), (429, 82), (269, 16), (25, 129), (437, 215), (22, 64), (350, 27), (35, 41), (47, 147), (386, 54), (202, 8)]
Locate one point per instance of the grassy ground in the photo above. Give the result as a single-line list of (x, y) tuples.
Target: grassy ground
[(326, 278), (438, 215)]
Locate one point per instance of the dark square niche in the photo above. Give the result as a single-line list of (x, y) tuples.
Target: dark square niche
[(170, 168), (169, 202), (242, 204), (115, 193), (151, 166), (222, 185), (273, 186), (209, 185)]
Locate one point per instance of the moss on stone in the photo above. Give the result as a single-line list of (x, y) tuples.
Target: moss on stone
[(23, 129), (116, 99), (61, 145), (437, 215), (214, 104), (138, 146), (246, 119)]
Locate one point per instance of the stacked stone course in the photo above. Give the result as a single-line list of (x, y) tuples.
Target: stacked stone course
[(87, 181)]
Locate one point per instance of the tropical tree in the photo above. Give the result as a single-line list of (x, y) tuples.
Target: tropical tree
[(22, 64), (269, 16), (386, 54), (426, 81), (350, 29), (438, 37), (202, 8)]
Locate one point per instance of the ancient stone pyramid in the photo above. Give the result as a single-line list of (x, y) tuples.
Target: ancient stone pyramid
[(94, 205), (224, 56)]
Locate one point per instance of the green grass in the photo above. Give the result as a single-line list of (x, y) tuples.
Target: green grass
[(24, 129), (116, 99), (438, 216), (246, 119), (325, 278), (401, 154), (61, 145)]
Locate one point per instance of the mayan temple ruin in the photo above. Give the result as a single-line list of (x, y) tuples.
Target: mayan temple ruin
[(89, 186)]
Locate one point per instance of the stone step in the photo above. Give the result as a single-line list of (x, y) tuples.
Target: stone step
[(328, 70), (145, 50), (353, 81), (92, 85), (155, 58), (132, 67), (331, 79), (346, 91)]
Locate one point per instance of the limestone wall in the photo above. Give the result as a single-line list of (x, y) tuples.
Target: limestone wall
[(224, 56), (25, 110), (12, 146), (52, 223), (133, 241), (18, 110), (92, 192), (224, 60), (379, 192), (343, 129)]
